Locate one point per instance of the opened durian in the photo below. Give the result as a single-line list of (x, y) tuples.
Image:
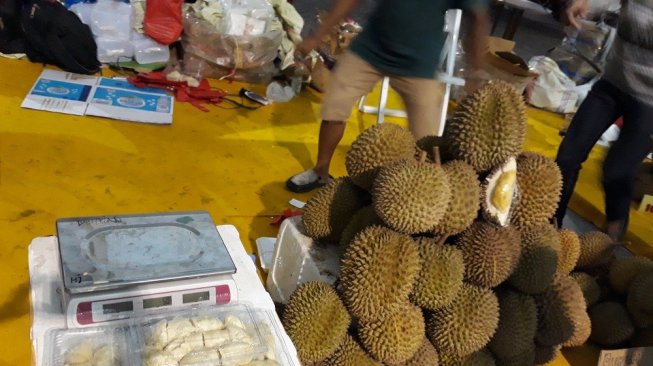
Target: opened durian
[(316, 321), (488, 127), (350, 353), (465, 197), (378, 271), (426, 355), (517, 325), (624, 270), (396, 338), (327, 213), (377, 146), (611, 324), (410, 196), (569, 251), (491, 253), (538, 261), (441, 277), (540, 184), (467, 324), (363, 218), (500, 192), (558, 308), (640, 300), (589, 286), (596, 249)]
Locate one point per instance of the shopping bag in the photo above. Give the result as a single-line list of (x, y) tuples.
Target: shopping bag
[(163, 21)]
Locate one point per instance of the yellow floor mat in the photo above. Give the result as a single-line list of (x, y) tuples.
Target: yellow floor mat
[(232, 163)]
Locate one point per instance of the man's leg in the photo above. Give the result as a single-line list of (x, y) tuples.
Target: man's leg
[(423, 101), (621, 164), (597, 112), (351, 79)]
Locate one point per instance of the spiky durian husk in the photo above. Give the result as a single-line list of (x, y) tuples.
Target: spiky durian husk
[(596, 249), (491, 253), (611, 324), (624, 270), (378, 271), (350, 353), (539, 259), (540, 184), (411, 197), (426, 355), (589, 286), (377, 146), (467, 324), (327, 213), (640, 300), (558, 308), (488, 126), (465, 198), (569, 251), (316, 321), (363, 218), (517, 324), (396, 338), (441, 277)]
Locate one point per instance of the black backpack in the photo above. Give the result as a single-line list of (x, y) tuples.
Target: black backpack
[(11, 39), (56, 36)]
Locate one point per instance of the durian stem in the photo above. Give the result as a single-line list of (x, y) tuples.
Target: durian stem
[(422, 156), (436, 155), (442, 239)]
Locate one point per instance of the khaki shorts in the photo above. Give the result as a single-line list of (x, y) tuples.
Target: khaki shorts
[(353, 78)]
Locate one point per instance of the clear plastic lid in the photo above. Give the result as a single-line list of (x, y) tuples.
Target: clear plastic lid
[(105, 346)]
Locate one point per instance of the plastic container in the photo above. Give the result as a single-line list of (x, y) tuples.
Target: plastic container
[(89, 346), (83, 12), (111, 19), (297, 259), (114, 50), (148, 51), (224, 335)]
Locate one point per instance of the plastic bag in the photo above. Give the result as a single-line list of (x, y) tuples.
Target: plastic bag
[(163, 21), (552, 90), (200, 68), (229, 51)]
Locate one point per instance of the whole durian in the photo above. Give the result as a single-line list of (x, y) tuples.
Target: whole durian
[(491, 253), (479, 358), (596, 249), (611, 324), (396, 338), (517, 325), (589, 286), (558, 308), (538, 261), (582, 330), (378, 271), (624, 270), (426, 355), (377, 146), (350, 353), (569, 251), (467, 324), (540, 183), (488, 127), (316, 321), (410, 196), (525, 358), (327, 213), (546, 354), (363, 218), (441, 277), (465, 198), (640, 300)]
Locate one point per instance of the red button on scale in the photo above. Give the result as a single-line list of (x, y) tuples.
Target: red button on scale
[(222, 294)]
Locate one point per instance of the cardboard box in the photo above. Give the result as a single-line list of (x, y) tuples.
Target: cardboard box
[(641, 356)]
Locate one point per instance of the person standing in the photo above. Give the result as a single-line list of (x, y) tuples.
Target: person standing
[(403, 40), (625, 90)]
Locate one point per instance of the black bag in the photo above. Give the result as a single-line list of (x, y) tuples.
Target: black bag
[(11, 39), (56, 36)]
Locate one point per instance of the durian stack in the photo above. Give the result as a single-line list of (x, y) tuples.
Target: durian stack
[(449, 254)]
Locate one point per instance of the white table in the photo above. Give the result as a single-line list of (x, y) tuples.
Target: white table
[(46, 305)]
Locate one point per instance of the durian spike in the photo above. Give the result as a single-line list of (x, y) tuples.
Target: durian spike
[(422, 156), (436, 155)]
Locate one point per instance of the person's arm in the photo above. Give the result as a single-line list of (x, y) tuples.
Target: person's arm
[(568, 11), (475, 41), (340, 10)]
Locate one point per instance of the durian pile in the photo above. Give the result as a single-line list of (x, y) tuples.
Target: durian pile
[(449, 256)]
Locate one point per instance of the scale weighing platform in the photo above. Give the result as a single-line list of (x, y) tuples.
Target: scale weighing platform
[(110, 269)]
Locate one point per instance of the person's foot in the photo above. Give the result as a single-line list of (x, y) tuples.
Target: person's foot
[(306, 181), (616, 230)]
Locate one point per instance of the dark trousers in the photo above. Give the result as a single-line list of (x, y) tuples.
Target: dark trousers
[(604, 104)]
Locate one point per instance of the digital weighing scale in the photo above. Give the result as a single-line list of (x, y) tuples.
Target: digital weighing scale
[(114, 268)]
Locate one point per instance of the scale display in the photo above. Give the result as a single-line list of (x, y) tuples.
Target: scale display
[(113, 252)]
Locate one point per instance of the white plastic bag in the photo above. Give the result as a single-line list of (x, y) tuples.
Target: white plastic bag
[(552, 90)]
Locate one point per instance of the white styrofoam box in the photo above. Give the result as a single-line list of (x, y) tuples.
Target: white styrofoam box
[(265, 250), (297, 260)]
